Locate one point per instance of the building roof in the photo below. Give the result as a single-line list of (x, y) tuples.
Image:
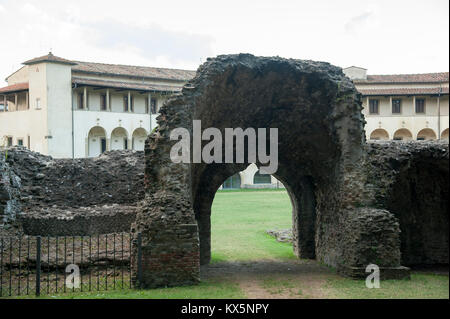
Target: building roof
[(406, 78), (125, 85), (404, 91), (118, 69), (49, 58), (133, 71), (14, 88)]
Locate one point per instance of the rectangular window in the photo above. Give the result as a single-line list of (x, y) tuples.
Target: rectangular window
[(146, 106), (131, 103), (153, 106), (125, 143), (20, 142), (29, 142), (80, 101), (10, 141), (38, 103), (373, 106), (420, 105), (125, 103), (396, 106), (103, 102)]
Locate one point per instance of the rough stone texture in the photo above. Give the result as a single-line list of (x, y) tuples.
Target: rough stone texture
[(10, 185), (322, 163), (80, 221), (71, 196), (411, 180)]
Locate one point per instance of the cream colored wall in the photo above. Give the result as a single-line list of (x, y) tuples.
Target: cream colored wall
[(32, 122), (408, 119), (85, 120), (59, 88), (20, 76)]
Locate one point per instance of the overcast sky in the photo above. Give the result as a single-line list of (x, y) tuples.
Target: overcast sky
[(383, 36)]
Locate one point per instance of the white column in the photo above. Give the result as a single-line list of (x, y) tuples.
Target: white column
[(390, 103), (5, 102), (129, 101), (108, 106), (149, 102), (439, 116), (85, 106), (15, 102)]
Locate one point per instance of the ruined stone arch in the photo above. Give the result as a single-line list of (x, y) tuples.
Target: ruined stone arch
[(426, 134), (379, 134), (317, 112), (403, 134)]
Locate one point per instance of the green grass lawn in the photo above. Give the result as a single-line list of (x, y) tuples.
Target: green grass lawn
[(421, 286), (239, 221)]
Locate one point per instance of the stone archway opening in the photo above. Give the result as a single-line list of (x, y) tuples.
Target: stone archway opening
[(237, 225), (317, 113), (303, 203)]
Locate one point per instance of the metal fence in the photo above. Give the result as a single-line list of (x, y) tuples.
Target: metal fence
[(35, 265)]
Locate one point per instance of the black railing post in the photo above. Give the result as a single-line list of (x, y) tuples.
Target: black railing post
[(139, 260), (38, 265)]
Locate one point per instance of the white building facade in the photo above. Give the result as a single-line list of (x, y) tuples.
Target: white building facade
[(403, 106), (71, 109)]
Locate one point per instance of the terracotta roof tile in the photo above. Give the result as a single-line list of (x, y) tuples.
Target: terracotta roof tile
[(406, 78), (403, 91), (126, 85), (49, 58), (133, 71), (14, 88), (118, 69)]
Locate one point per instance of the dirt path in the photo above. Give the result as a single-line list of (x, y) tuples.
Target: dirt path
[(271, 279)]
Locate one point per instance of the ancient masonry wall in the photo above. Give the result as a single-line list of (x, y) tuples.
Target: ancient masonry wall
[(411, 180), (46, 196)]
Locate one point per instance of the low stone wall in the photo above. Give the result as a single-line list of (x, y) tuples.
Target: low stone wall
[(83, 221), (113, 177), (55, 197)]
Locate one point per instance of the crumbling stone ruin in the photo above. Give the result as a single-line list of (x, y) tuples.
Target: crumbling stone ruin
[(56, 197), (354, 203), (344, 212), (411, 180)]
